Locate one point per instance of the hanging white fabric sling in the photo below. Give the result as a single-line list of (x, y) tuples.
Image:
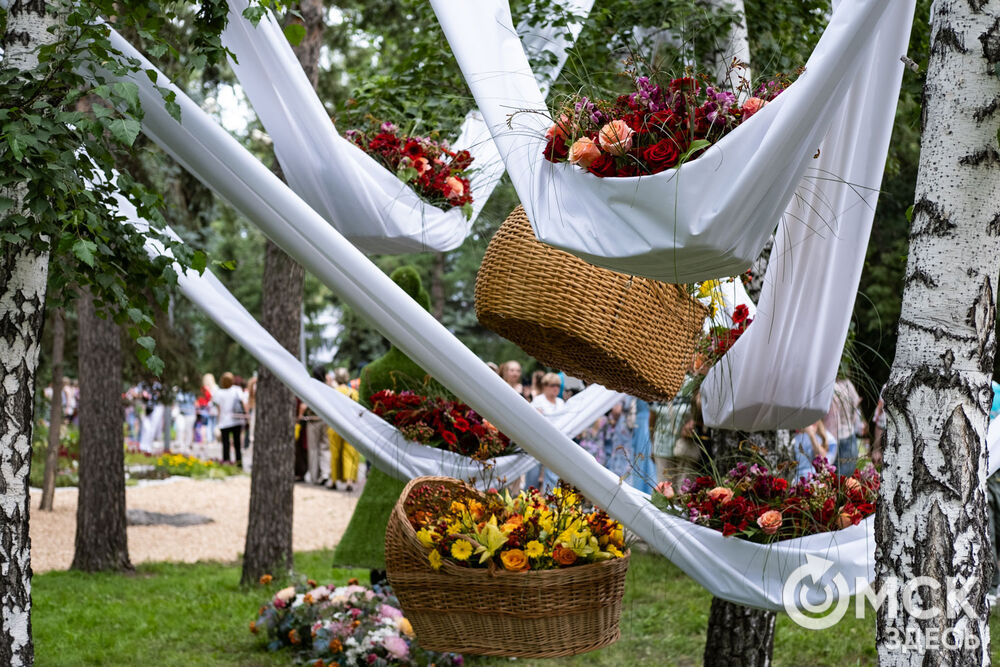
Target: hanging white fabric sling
[(365, 202), (742, 572), (782, 371), (707, 219), (379, 441)]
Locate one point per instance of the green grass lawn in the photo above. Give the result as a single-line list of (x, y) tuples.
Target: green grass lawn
[(171, 614)]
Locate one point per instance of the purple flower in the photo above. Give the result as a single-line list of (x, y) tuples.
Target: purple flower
[(389, 127)]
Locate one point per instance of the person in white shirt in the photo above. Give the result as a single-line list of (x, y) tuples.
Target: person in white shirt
[(232, 415), (550, 405)]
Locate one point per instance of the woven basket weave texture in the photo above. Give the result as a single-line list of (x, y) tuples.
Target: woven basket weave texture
[(534, 614), (627, 333)]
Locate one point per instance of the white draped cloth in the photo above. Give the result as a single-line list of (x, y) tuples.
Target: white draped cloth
[(710, 217), (730, 568), (365, 202)]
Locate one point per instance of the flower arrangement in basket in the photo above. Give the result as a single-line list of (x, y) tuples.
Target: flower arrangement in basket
[(529, 575), (752, 503), (441, 423), (349, 626), (435, 172), (662, 124)]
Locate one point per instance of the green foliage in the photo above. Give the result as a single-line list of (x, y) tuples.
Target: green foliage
[(69, 455), (62, 135)]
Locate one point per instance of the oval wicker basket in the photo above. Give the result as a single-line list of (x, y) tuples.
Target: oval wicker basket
[(627, 333), (534, 614)]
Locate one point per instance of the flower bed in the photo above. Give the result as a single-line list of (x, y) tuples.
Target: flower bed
[(441, 423), (435, 172), (349, 626), (752, 503)]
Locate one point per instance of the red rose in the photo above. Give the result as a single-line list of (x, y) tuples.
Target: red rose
[(449, 437), (661, 155), (603, 166), (665, 122), (740, 313), (729, 529), (556, 149)]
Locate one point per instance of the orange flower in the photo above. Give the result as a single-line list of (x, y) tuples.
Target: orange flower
[(563, 556), (583, 152), (616, 137), (253, 627), (311, 582), (336, 646), (266, 579), (721, 495), (293, 636), (514, 560), (852, 484), (844, 520), (770, 521), (353, 581)]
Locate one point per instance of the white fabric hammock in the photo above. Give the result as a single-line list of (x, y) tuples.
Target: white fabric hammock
[(782, 371), (707, 219), (736, 570), (365, 202), (379, 441)]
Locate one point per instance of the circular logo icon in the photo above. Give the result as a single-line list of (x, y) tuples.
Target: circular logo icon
[(797, 604)]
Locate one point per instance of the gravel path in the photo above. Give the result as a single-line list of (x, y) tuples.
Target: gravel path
[(321, 517)]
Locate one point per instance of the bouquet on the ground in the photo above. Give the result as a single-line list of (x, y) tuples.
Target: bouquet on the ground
[(441, 423), (434, 171), (662, 124), (752, 503), (349, 626), (529, 531)]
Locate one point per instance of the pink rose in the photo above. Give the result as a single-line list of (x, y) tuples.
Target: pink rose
[(454, 188), (389, 611), (616, 137), (396, 646), (560, 128), (752, 106), (721, 495), (584, 152), (770, 521), (665, 489)]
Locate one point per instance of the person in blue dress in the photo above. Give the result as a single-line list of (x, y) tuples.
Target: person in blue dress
[(617, 435), (812, 442), (643, 469)]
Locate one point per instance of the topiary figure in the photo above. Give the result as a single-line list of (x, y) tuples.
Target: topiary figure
[(363, 543)]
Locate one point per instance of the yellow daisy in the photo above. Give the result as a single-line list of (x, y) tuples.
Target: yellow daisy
[(461, 550), (435, 559), (534, 549)]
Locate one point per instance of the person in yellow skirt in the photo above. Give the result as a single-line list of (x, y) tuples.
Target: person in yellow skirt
[(344, 458)]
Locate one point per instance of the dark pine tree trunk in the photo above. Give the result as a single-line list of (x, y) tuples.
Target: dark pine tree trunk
[(56, 413), (101, 539), (269, 531)]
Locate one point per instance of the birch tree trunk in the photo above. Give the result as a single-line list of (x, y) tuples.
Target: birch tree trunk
[(269, 531), (23, 274), (101, 539), (55, 413), (931, 518)]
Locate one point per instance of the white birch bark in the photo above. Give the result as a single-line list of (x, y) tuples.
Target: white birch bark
[(23, 274), (735, 49), (931, 519)]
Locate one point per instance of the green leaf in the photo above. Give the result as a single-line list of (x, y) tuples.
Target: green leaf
[(295, 33), (407, 174), (127, 91), (84, 251), (696, 145), (135, 314), (155, 364), (5, 204), (199, 260), (909, 214), (125, 130), (146, 342), (228, 265)]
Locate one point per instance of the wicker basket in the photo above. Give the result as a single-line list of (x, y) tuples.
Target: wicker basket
[(540, 614), (627, 333)]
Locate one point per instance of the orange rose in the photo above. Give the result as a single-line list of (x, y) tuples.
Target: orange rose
[(563, 556), (844, 520), (514, 560), (455, 187), (752, 106), (560, 128), (583, 152), (616, 137), (721, 495), (265, 579), (770, 521)]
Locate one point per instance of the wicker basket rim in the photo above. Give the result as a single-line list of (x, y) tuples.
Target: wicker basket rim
[(449, 568)]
